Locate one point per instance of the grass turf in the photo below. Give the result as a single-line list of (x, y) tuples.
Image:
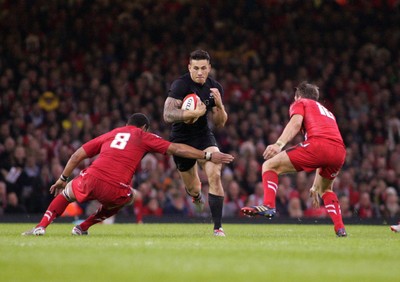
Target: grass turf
[(188, 252)]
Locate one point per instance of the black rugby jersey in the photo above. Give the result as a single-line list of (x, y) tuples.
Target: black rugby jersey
[(183, 86)]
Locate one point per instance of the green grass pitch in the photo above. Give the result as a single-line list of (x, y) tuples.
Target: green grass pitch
[(189, 252)]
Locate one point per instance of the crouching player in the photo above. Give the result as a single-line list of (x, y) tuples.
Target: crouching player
[(323, 150)]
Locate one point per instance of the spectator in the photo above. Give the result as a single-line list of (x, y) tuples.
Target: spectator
[(294, 208), (390, 208), (234, 200), (13, 206), (152, 208), (365, 208), (175, 203), (344, 202), (48, 101), (257, 197)]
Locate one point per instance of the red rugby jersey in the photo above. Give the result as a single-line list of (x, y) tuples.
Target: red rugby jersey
[(120, 152), (318, 121)]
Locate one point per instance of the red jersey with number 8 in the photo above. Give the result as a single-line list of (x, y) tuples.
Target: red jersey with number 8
[(120, 152), (318, 121)]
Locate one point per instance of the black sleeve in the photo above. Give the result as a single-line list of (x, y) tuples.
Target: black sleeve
[(178, 89)]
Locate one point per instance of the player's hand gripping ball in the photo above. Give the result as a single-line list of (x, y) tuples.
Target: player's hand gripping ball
[(190, 104)]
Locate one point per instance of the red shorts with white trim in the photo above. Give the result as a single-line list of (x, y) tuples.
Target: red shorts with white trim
[(313, 154), (87, 187)]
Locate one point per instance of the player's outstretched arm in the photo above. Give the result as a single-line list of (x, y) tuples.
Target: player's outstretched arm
[(72, 163), (186, 151), (292, 128)]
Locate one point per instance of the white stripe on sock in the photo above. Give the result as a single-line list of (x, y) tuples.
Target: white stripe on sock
[(272, 185), (48, 215), (331, 211)]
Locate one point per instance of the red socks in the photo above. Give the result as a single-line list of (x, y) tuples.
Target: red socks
[(270, 183), (55, 209), (138, 210), (100, 215), (58, 206), (331, 204)]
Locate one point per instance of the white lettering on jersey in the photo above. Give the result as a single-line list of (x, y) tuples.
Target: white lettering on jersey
[(120, 141), (325, 112)]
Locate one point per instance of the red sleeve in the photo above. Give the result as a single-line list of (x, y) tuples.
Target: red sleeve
[(93, 147), (297, 108), (155, 143)]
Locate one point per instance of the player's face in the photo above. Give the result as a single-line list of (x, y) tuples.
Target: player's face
[(199, 70)]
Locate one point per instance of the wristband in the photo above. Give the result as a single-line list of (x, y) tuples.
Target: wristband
[(207, 156), (280, 144), (63, 178)]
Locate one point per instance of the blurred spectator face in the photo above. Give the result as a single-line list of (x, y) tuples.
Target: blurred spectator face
[(30, 161), (19, 154), (146, 189), (294, 208), (345, 179), (56, 170), (344, 202), (365, 200), (286, 181), (12, 199), (5, 130), (42, 156), (9, 144), (199, 70), (233, 190), (391, 201), (301, 181), (153, 204), (259, 190)]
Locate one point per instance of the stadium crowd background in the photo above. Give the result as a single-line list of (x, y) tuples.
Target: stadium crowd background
[(71, 70)]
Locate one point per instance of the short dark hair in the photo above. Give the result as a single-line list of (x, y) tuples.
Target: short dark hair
[(139, 120), (308, 90), (199, 55)]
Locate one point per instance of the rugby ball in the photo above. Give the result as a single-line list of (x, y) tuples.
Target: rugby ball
[(189, 104)]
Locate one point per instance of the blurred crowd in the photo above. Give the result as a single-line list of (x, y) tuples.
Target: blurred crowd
[(71, 70)]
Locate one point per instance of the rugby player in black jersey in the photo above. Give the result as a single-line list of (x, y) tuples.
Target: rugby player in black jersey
[(198, 134)]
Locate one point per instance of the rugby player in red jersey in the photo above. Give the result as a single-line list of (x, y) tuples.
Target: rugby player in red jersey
[(108, 178), (322, 151)]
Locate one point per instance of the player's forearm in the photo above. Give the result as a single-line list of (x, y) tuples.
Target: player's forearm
[(74, 161), (174, 115), (172, 111), (290, 131), (185, 151), (219, 116), (178, 115)]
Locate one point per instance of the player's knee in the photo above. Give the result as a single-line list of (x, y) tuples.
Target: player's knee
[(192, 183), (214, 172), (214, 181), (269, 165), (131, 198), (68, 193)]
